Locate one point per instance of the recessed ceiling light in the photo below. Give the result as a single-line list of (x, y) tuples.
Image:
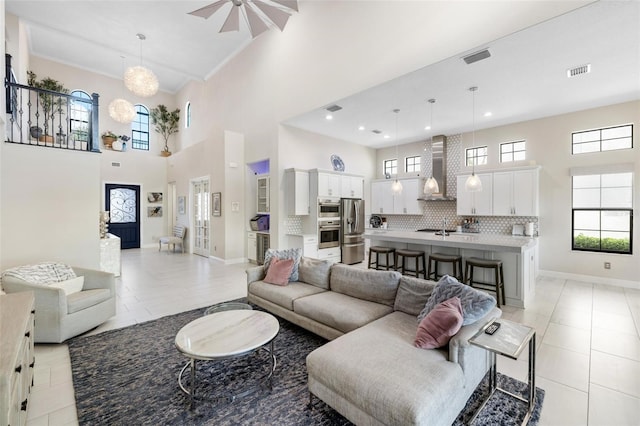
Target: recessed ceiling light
[(329, 117), (427, 127), (488, 114), (360, 127), (387, 136)]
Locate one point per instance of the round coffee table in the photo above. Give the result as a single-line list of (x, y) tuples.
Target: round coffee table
[(223, 335)]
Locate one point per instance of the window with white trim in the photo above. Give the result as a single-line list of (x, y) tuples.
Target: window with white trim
[(512, 151), (412, 164), (140, 128), (79, 115), (476, 156), (602, 213), (391, 167), (604, 139)]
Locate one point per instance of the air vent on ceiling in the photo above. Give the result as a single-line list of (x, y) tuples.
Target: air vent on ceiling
[(576, 71), (376, 131), (333, 108), (115, 164), (477, 56)]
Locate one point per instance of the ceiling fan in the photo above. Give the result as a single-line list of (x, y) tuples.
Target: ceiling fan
[(258, 14)]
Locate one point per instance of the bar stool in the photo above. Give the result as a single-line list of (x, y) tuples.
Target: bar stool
[(389, 252), (497, 286), (401, 260), (437, 258)]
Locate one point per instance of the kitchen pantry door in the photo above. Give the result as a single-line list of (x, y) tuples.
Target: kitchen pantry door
[(123, 204), (201, 216)]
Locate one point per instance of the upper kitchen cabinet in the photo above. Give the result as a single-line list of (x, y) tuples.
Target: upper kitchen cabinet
[(352, 187), (329, 185), (515, 193), (475, 203), (262, 199), (297, 184), (384, 201)]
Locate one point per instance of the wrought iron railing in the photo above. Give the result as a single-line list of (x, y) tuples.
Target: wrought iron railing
[(51, 119)]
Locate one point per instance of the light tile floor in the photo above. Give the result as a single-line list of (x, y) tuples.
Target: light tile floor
[(588, 345)]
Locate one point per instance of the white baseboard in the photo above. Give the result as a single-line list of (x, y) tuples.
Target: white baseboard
[(591, 279), (229, 261)]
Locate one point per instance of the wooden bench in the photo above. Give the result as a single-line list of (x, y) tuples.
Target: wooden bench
[(176, 238)]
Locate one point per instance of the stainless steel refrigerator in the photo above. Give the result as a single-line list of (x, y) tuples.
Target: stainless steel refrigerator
[(352, 230)]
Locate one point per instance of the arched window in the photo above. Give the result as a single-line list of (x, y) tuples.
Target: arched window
[(140, 128), (80, 114), (187, 109)]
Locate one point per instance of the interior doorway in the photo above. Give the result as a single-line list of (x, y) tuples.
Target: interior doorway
[(172, 204), (123, 204), (201, 219)]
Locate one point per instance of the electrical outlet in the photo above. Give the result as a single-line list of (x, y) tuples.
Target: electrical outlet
[(607, 265)]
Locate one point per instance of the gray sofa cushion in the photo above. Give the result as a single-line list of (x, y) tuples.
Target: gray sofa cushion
[(380, 372), (87, 298), (413, 294), (339, 311), (475, 304), (283, 295), (315, 272), (367, 284)]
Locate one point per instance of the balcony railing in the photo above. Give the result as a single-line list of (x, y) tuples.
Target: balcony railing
[(51, 119)]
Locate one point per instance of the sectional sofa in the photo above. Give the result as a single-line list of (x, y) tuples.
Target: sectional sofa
[(370, 371)]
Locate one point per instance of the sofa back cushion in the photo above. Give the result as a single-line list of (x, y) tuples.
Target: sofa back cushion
[(367, 284), (413, 294), (315, 272)]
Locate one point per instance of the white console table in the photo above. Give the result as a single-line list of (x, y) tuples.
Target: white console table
[(110, 254)]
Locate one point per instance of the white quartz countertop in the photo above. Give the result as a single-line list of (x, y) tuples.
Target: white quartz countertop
[(490, 242)]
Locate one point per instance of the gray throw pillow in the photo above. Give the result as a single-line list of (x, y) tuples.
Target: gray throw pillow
[(413, 294), (294, 253), (475, 304), (315, 272)]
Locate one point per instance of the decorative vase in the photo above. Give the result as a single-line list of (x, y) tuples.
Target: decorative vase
[(165, 153), (108, 141), (116, 146), (35, 132)]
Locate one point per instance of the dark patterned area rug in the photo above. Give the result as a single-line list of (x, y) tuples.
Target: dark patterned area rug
[(129, 377)]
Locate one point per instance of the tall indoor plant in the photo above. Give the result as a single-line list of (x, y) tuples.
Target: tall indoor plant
[(51, 104), (166, 124)]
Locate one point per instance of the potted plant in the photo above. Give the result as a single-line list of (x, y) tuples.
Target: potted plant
[(51, 104), (166, 124), (108, 138)]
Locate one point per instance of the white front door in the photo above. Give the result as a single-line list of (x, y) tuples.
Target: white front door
[(201, 216)]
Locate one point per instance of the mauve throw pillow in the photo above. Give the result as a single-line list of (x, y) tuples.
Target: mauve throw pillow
[(279, 271), (437, 327), (475, 304), (294, 253)]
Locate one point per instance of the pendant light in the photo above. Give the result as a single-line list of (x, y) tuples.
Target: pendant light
[(431, 185), (473, 183), (120, 109), (396, 186), (140, 80)]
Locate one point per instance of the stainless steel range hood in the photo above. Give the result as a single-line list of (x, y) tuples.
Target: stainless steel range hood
[(439, 169)]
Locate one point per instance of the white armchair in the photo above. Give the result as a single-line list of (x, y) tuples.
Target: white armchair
[(60, 316), (177, 237)]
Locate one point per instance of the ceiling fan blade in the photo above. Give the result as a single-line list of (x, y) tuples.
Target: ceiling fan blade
[(277, 16), (291, 4), (256, 24), (233, 20), (207, 11)]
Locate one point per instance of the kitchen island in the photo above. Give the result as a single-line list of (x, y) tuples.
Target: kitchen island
[(519, 255)]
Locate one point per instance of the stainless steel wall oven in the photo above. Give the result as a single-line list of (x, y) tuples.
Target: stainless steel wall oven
[(328, 233)]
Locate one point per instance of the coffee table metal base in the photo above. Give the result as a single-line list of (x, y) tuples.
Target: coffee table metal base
[(265, 380)]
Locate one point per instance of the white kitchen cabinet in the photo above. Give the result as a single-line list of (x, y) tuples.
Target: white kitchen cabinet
[(307, 242), (352, 187), (381, 197), (332, 254), (297, 184), (384, 201), (329, 185), (252, 247), (515, 193), (475, 203), (262, 199)]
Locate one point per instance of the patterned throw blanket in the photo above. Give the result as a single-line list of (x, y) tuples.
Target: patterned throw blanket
[(41, 273)]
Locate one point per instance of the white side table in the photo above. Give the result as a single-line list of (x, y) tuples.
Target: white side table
[(509, 340)]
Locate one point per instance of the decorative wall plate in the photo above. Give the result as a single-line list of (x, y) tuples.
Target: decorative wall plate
[(338, 164)]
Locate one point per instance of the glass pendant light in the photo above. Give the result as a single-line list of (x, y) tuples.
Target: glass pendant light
[(473, 183), (431, 185), (396, 186)]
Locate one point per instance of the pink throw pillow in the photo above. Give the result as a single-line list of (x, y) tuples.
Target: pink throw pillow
[(279, 271), (440, 324)]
